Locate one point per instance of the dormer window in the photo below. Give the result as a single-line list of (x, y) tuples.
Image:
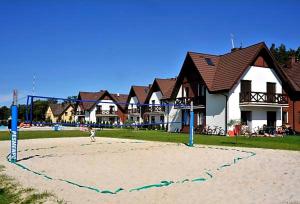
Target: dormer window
[(209, 62)]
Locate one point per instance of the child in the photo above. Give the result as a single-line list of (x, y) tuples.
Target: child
[(93, 133)]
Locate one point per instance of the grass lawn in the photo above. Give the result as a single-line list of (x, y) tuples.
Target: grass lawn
[(286, 143), (12, 192)]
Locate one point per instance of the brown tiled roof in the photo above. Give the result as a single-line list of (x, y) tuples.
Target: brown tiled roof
[(166, 86), (121, 99), (227, 68), (293, 74), (58, 109), (141, 92), (95, 96), (89, 96)]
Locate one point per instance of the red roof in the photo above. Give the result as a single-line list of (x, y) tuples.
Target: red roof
[(165, 86), (228, 68), (293, 74), (120, 99), (140, 92)]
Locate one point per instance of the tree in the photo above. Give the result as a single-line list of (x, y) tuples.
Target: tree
[(282, 55), (4, 113)]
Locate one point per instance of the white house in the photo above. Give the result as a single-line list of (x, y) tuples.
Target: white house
[(158, 98), (245, 85), (101, 107), (136, 99)]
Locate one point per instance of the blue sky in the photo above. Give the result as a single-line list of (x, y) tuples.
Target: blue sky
[(76, 46)]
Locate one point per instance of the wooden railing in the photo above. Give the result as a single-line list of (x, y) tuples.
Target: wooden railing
[(186, 101), (155, 108), (105, 112), (262, 97), (134, 110)]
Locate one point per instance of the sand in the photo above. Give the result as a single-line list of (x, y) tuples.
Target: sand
[(79, 171)]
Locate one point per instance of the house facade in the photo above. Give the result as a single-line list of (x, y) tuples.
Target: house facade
[(60, 113), (291, 115), (243, 85), (137, 95), (101, 107), (157, 111)]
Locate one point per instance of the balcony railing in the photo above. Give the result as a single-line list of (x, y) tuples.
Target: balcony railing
[(79, 112), (134, 110), (186, 101), (155, 108), (262, 97), (105, 112)]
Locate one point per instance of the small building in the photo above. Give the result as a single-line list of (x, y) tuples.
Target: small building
[(158, 98), (101, 107), (243, 85), (135, 101), (291, 115), (60, 113)]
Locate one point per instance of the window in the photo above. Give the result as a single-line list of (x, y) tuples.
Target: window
[(66, 113), (202, 90), (111, 109), (186, 89), (271, 90), (284, 117), (245, 86), (162, 118), (200, 119), (209, 62), (299, 117), (153, 102), (152, 119), (246, 117)]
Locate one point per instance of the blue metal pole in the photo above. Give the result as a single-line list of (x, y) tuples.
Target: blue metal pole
[(14, 133), (26, 116), (31, 107), (191, 141)]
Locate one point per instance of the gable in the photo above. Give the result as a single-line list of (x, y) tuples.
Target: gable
[(188, 73), (260, 62)]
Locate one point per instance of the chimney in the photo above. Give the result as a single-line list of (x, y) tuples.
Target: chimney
[(292, 60)]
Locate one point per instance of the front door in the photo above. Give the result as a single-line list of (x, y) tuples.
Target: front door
[(271, 118)]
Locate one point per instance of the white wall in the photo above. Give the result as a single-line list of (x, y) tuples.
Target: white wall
[(215, 110), (156, 96), (134, 101), (105, 106), (259, 77)]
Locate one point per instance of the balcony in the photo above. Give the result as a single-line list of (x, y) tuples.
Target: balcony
[(263, 98), (155, 108), (134, 110), (105, 112), (79, 112), (185, 102)]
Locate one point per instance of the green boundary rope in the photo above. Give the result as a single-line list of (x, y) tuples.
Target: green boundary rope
[(207, 174)]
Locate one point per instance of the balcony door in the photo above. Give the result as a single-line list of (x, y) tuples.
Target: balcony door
[(271, 91), (246, 90)]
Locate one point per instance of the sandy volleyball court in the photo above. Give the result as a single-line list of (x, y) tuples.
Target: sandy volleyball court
[(130, 171)]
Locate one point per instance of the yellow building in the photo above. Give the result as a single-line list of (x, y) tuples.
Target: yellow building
[(60, 113)]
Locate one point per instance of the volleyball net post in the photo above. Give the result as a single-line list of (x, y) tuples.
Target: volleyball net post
[(191, 138), (14, 129)]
